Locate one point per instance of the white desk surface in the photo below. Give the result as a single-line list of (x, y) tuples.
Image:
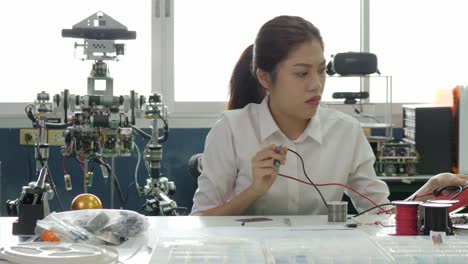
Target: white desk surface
[(301, 239)]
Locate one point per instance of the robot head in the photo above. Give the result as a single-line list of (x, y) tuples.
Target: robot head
[(99, 32)]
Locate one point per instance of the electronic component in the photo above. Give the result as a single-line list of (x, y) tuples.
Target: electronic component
[(429, 129), (67, 181), (396, 159)]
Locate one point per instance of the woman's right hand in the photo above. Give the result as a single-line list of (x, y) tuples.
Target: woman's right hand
[(264, 170)]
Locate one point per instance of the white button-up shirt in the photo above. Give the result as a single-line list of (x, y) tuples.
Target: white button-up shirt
[(333, 147)]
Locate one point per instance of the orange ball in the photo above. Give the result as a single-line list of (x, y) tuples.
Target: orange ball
[(86, 201)]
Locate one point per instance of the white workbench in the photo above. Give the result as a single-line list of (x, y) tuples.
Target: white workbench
[(284, 239)]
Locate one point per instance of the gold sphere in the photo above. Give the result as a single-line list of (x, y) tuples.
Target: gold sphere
[(86, 201)]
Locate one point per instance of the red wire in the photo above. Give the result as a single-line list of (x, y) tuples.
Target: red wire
[(81, 158), (423, 195), (335, 183), (406, 219), (63, 160), (63, 166), (82, 168)]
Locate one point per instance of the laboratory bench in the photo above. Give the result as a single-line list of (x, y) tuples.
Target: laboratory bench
[(277, 239)]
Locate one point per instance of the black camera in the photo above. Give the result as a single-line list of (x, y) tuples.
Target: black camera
[(350, 97)]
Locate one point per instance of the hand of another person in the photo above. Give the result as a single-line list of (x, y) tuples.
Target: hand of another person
[(447, 179), (443, 179), (264, 170)]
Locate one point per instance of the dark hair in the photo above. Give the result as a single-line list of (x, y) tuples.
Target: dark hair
[(274, 41)]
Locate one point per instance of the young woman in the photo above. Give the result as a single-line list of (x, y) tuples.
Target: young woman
[(276, 89)]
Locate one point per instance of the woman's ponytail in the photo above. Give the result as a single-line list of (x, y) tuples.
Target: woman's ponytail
[(243, 86)]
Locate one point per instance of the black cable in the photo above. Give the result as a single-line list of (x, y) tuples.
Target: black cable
[(455, 193), (116, 181), (132, 107), (65, 105), (128, 191), (370, 209), (166, 126), (28, 157), (49, 177), (52, 185), (29, 113), (363, 115), (39, 155), (305, 173), (117, 184), (166, 129)]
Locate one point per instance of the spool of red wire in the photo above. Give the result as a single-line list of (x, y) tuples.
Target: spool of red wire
[(406, 217)]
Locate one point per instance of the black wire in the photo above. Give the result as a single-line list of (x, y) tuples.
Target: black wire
[(116, 181), (49, 176), (159, 114), (370, 209), (31, 116), (39, 155), (117, 184), (323, 199), (459, 190), (166, 126), (166, 130), (305, 173), (128, 190), (29, 113), (363, 115), (28, 157), (52, 184)]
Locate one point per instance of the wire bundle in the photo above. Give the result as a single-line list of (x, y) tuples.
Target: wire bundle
[(406, 217)]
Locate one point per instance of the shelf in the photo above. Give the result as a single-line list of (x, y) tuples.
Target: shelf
[(405, 179), (376, 125), (379, 139)]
